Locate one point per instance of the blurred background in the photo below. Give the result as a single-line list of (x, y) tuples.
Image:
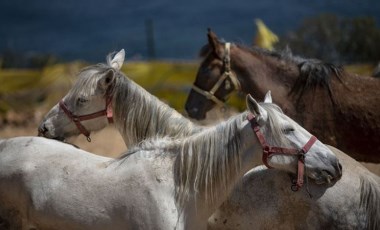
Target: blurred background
[(43, 44), (167, 29)]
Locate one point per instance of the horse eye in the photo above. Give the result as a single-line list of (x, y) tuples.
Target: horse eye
[(82, 100), (288, 130)]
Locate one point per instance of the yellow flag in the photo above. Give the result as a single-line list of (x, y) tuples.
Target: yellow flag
[(264, 37)]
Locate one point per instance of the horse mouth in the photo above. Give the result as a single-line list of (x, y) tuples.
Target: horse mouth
[(58, 138), (43, 132), (323, 177)]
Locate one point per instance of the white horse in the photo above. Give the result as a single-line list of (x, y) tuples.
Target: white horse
[(162, 184), (263, 200), (137, 114), (134, 104)]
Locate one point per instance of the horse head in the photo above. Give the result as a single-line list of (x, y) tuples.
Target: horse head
[(288, 146), (215, 79), (88, 105)]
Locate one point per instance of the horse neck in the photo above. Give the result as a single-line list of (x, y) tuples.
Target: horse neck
[(210, 163), (259, 72), (140, 115)]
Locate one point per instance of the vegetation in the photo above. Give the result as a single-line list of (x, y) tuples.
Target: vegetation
[(43, 82), (340, 40), (26, 91), (12, 59)]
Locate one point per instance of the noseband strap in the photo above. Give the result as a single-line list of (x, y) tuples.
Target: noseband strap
[(78, 118), (269, 151), (210, 95)]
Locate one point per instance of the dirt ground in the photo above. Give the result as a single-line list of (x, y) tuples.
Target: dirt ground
[(106, 142)]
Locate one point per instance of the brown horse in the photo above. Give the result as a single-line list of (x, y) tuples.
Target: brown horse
[(342, 109)]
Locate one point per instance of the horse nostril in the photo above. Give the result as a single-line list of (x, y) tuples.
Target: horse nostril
[(192, 111), (195, 110)]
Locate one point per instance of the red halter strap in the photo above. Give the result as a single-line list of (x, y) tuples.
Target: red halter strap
[(77, 119), (269, 151)]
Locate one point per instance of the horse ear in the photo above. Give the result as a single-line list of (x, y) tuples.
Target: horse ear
[(118, 60), (256, 109), (252, 105), (106, 80), (213, 41), (268, 97)]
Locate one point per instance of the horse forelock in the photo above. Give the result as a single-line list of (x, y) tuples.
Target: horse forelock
[(370, 201), (85, 85), (87, 79), (277, 136)]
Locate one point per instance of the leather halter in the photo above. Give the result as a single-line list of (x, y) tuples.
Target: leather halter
[(78, 118), (210, 95), (269, 151)]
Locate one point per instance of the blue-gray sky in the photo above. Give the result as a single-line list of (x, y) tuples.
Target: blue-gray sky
[(79, 29)]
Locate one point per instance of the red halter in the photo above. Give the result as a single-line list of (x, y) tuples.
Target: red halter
[(77, 119), (269, 151)]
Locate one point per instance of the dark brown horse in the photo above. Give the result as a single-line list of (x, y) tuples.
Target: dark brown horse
[(342, 109)]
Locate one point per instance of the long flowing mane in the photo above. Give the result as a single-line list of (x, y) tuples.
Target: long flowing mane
[(203, 164), (313, 73), (143, 115), (206, 161), (370, 202)]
